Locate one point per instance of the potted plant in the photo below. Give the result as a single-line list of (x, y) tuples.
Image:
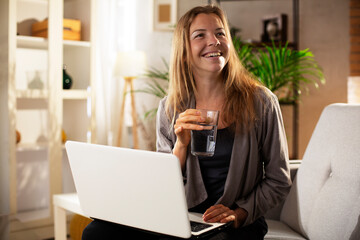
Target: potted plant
[(280, 68)]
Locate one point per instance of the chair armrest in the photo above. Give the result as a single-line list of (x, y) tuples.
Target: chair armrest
[(294, 166)]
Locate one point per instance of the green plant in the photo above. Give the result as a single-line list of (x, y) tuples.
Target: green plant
[(281, 69), (154, 87)]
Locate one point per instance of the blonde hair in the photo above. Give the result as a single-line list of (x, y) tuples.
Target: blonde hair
[(240, 87)]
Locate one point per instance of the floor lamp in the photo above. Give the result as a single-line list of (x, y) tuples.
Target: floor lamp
[(128, 66)]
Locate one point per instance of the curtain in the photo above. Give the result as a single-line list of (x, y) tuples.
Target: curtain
[(116, 24)]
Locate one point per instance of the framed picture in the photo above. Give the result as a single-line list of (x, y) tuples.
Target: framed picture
[(164, 15), (274, 28)]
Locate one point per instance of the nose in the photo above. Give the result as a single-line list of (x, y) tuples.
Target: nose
[(214, 41)]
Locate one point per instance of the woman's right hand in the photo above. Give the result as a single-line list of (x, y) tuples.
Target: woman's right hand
[(186, 122)]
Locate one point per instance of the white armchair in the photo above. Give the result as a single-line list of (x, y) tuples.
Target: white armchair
[(324, 201)]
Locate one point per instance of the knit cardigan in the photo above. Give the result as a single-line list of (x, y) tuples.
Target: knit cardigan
[(259, 175)]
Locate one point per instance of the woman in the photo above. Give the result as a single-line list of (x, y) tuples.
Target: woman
[(249, 172)]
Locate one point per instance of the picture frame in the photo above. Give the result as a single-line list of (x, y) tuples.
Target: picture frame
[(164, 15), (274, 28)]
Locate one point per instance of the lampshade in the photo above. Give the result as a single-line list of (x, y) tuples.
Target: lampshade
[(354, 89), (130, 64)]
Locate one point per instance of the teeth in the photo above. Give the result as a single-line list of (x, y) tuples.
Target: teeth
[(213, 54)]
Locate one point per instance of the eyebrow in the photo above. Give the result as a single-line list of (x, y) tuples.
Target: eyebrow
[(204, 30)]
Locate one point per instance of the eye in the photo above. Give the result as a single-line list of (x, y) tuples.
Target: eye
[(222, 34), (200, 35)]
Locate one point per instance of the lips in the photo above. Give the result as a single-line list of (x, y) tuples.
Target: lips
[(212, 54)]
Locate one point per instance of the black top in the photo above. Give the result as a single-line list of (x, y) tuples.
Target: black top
[(214, 169)]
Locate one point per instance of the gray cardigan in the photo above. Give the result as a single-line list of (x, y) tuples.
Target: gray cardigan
[(258, 177)]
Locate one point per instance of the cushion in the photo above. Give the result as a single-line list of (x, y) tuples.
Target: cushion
[(279, 230)]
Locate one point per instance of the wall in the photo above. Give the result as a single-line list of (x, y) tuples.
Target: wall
[(355, 39), (324, 28)]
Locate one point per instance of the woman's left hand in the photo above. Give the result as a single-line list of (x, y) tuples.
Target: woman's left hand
[(223, 214)]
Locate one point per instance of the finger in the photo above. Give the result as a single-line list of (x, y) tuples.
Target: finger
[(227, 219), (190, 119), (218, 217), (213, 208), (191, 115), (178, 130), (192, 111), (189, 126), (216, 213), (189, 112)]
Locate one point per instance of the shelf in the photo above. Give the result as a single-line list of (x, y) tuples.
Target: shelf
[(290, 102), (42, 94), (269, 44), (42, 43), (21, 147), (75, 94), (69, 43), (33, 215), (35, 1), (32, 93), (32, 42)]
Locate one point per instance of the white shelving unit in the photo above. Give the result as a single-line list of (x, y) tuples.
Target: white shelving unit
[(38, 164), (31, 42)]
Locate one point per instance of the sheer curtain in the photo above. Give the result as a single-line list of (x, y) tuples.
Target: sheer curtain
[(116, 25)]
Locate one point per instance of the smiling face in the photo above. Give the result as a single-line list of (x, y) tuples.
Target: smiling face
[(209, 45)]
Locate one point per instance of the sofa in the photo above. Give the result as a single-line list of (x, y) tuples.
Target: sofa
[(324, 200)]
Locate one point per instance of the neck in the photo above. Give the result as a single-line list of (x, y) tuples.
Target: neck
[(210, 93)]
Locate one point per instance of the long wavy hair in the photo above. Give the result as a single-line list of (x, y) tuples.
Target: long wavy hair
[(240, 87)]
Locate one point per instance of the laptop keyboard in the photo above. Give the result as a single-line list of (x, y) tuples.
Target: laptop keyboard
[(196, 226)]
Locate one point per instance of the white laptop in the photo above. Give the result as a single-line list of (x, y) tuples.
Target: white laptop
[(113, 182)]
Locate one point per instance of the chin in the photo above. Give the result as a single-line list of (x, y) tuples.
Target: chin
[(216, 69)]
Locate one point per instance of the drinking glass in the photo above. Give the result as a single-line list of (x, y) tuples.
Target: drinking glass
[(203, 141)]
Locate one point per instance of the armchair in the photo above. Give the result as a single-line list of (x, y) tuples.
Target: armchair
[(324, 200)]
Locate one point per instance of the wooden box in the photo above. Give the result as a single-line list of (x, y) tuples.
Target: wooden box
[(71, 29)]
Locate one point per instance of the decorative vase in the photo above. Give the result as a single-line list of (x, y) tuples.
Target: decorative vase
[(35, 81), (18, 137), (63, 136), (67, 80)]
